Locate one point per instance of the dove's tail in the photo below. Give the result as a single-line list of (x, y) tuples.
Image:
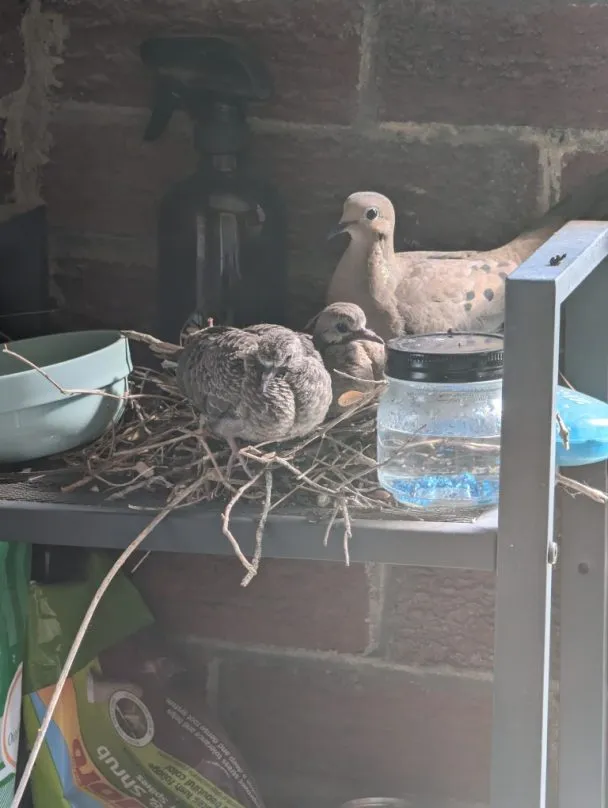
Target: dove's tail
[(589, 200)]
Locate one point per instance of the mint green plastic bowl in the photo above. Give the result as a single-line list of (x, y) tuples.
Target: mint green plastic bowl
[(36, 419)]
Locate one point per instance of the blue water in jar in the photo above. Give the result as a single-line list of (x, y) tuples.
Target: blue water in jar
[(439, 445), (442, 474)]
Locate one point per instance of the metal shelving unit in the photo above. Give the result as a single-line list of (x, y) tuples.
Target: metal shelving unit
[(518, 542)]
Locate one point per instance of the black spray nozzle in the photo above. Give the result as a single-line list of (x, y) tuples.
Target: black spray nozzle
[(189, 71)]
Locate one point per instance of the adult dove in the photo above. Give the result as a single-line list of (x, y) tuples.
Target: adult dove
[(264, 383), (421, 292), (346, 344)]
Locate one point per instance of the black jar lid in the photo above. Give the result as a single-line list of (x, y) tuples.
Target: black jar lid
[(452, 357)]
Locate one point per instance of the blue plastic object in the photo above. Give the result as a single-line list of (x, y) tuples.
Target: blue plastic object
[(36, 418), (586, 418)]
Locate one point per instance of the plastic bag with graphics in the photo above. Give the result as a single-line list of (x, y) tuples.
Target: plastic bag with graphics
[(14, 580), (130, 730)]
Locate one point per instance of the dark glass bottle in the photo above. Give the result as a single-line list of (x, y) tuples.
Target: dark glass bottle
[(24, 275), (221, 233)]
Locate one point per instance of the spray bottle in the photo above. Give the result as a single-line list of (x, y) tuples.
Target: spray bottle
[(221, 233)]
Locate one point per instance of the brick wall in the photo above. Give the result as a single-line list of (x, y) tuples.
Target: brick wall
[(339, 682), (11, 78), (472, 116)]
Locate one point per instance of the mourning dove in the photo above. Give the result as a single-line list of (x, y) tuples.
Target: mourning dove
[(347, 345), (264, 383), (421, 292)]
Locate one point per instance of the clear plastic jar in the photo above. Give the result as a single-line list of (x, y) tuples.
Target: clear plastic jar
[(439, 423)]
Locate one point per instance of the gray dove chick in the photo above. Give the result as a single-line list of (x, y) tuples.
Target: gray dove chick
[(305, 339), (259, 384), (419, 292), (347, 345)]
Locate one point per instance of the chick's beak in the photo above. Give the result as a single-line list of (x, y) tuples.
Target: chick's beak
[(341, 227), (369, 335)]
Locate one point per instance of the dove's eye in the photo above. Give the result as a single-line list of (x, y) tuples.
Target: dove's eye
[(342, 328), (371, 214)]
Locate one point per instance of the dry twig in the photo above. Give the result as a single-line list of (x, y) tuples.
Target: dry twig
[(259, 533), (564, 432), (251, 570), (575, 487), (66, 391), (348, 531)]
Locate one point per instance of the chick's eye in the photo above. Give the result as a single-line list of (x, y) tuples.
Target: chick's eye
[(371, 214), (342, 328)]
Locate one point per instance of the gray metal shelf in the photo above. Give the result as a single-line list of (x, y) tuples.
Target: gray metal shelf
[(287, 535), (519, 547)]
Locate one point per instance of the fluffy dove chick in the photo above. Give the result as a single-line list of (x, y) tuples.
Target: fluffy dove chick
[(421, 292), (347, 345), (258, 384)]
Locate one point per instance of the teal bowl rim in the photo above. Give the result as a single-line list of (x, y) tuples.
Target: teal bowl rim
[(118, 337), (30, 378)]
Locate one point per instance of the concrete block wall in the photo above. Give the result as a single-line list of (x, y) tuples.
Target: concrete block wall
[(473, 116), (11, 78)]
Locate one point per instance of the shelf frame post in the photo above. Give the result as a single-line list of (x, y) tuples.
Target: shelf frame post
[(584, 569), (526, 549)]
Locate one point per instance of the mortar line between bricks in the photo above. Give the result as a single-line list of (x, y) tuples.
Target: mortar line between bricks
[(77, 112), (224, 648), (367, 102), (571, 140), (69, 243), (377, 575), (550, 159), (433, 677)]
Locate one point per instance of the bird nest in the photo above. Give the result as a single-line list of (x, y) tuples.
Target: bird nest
[(159, 448)]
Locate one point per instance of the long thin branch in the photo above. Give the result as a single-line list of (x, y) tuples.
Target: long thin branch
[(330, 524), (577, 487), (348, 531), (564, 432), (155, 345), (259, 533), (65, 390), (226, 524)]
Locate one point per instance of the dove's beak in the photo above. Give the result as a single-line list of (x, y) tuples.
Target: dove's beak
[(267, 376), (369, 335), (341, 227)]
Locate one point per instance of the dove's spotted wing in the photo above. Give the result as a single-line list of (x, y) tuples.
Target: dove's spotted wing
[(436, 293)]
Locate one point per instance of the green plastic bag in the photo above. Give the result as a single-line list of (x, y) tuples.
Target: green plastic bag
[(14, 581), (131, 729)]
